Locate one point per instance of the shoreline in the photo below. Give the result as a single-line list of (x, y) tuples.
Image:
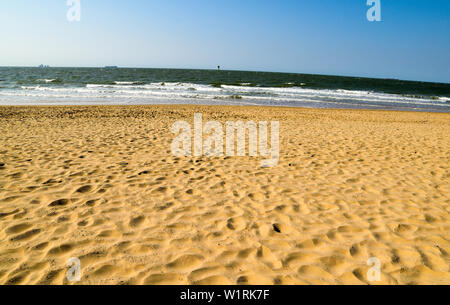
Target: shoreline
[(224, 105)]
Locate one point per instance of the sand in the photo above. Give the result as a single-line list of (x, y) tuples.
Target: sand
[(100, 184)]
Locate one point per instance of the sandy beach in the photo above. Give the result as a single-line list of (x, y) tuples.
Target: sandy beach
[(100, 184)]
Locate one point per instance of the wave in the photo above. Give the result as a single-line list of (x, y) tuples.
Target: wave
[(129, 83), (49, 81), (242, 93)]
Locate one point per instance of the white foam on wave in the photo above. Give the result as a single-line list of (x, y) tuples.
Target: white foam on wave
[(126, 83), (136, 91)]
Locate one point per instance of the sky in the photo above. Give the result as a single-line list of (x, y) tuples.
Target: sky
[(333, 37)]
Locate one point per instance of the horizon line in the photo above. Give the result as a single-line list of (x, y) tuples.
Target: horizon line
[(231, 70)]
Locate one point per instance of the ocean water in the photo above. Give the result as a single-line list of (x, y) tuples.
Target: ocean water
[(128, 86)]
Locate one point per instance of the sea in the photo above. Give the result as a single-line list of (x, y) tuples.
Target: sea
[(138, 86)]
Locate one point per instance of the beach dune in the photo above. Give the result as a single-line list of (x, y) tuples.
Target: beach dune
[(101, 184)]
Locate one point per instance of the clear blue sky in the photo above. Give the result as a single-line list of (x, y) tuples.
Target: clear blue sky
[(305, 36)]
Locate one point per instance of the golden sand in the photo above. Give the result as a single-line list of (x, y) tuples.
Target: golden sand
[(100, 184)]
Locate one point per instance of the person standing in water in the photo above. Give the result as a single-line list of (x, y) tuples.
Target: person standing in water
[(218, 68)]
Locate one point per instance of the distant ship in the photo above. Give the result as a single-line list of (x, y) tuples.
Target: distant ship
[(43, 66), (111, 67)]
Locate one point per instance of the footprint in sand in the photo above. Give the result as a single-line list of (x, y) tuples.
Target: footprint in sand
[(27, 235), (60, 203), (53, 277), (137, 221), (91, 203), (84, 189), (18, 228), (60, 250), (160, 190), (40, 247), (236, 223), (254, 279), (3, 215)]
